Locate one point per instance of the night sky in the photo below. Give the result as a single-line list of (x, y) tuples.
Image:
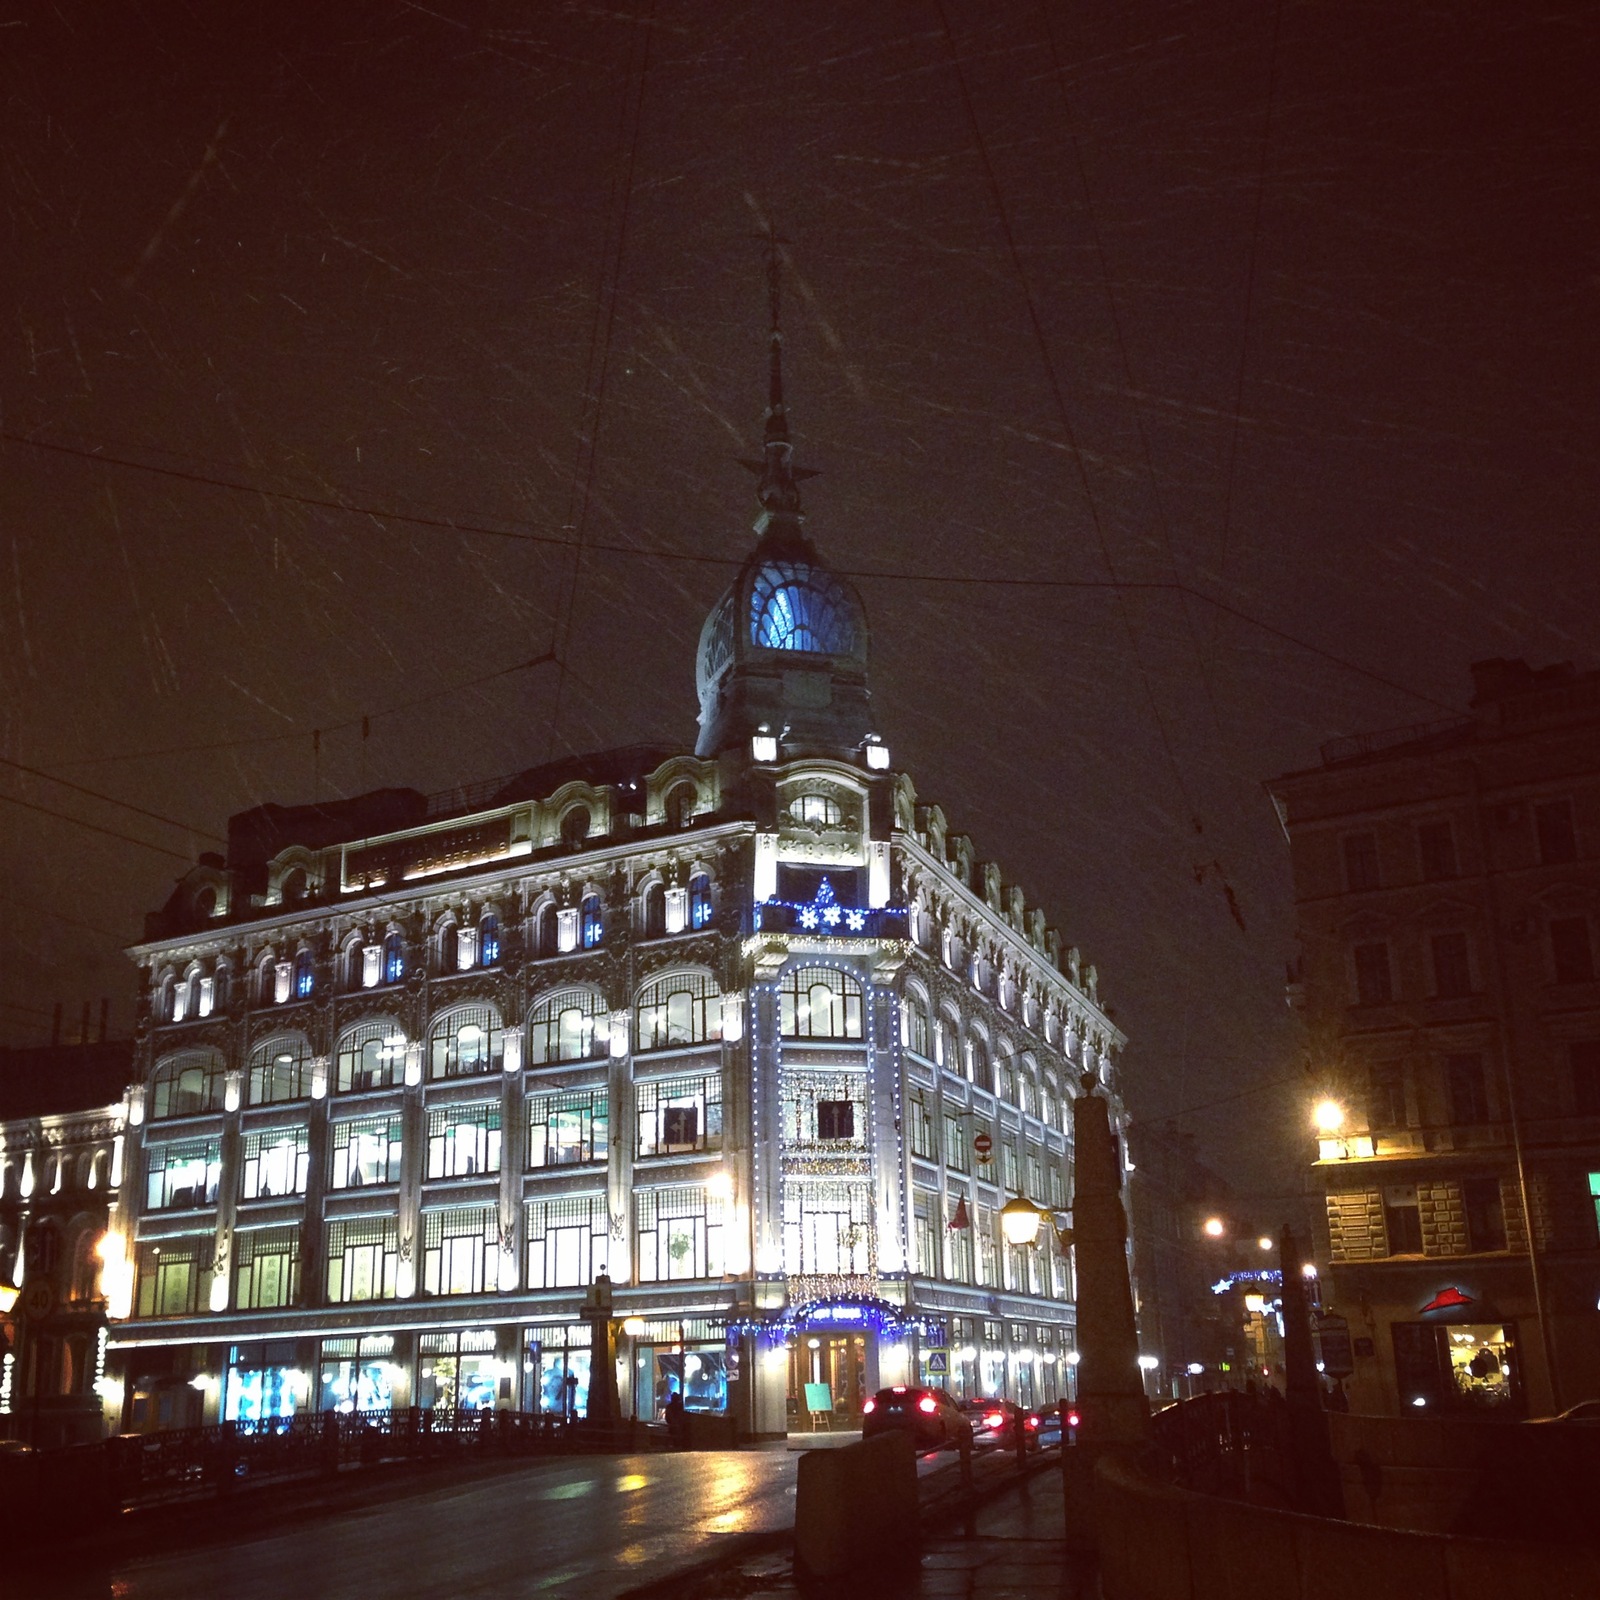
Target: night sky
[(1291, 305)]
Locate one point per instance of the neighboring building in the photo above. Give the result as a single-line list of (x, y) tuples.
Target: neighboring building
[(1448, 886), (60, 1153), (1183, 1328), (746, 1029)]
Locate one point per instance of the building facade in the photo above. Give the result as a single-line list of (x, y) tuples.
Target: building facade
[(748, 1030), (61, 1152), (1447, 881)]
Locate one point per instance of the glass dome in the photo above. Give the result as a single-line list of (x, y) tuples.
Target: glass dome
[(796, 606)]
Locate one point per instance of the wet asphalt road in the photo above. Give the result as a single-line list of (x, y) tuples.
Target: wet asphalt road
[(589, 1526)]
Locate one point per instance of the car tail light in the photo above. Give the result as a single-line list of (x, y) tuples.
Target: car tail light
[(871, 1405), (1073, 1419), (994, 1419), (927, 1405), (1030, 1421), (899, 1388)]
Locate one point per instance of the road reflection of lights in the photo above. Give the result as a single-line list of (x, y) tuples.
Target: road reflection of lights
[(569, 1491), (634, 1480), (633, 1555)]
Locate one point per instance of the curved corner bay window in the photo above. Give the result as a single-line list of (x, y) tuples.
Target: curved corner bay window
[(465, 1043), (276, 1163), (464, 1141), (679, 1116), (363, 1259), (365, 1152), (700, 907), (567, 1027), (280, 1070), (683, 1009), (305, 975), (169, 1275), (819, 1003), (566, 1129), (461, 1250), (182, 1176), (372, 1056), (795, 606), (187, 1084), (568, 1241), (678, 1233), (268, 1274)]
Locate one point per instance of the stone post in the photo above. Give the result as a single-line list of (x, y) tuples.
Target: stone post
[(1111, 1396), (604, 1408)]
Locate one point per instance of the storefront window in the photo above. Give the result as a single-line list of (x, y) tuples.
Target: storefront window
[(458, 1371), (1456, 1365), (263, 1384), (357, 1374), (690, 1358), (555, 1370)]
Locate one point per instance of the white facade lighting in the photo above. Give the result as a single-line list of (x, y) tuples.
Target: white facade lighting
[(511, 1051), (1214, 1227), (720, 1184), (764, 878), (1328, 1117), (466, 949), (413, 1064), (208, 995), (619, 1035), (878, 756), (733, 1017), (1195, 1369), (567, 929), (1149, 1363), (764, 747), (677, 910), (282, 973), (371, 965)]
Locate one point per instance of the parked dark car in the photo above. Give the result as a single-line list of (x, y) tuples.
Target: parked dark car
[(995, 1421), (930, 1416)]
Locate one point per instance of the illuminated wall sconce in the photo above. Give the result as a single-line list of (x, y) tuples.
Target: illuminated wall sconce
[(567, 929), (764, 747), (413, 1063), (319, 1078), (733, 1017), (677, 910), (877, 756), (371, 965), (282, 973), (511, 1051), (231, 1092), (619, 1035)]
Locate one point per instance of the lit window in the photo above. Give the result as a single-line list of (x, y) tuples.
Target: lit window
[(591, 922), (465, 1043), (280, 1070), (567, 1027), (187, 1084), (366, 1152), (816, 811), (394, 958), (464, 1141), (372, 1056), (681, 1010), (489, 941), (794, 606), (699, 900), (819, 1003), (304, 975)]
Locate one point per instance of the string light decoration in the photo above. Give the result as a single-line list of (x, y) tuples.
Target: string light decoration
[(841, 1311), (825, 915)]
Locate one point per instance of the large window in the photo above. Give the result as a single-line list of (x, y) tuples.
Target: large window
[(819, 1003), (959, 1266), (1436, 845), (567, 1027), (268, 1268), (678, 1234), (1558, 839), (1571, 953), (365, 1152), (591, 922), (925, 1232), (464, 1141), (914, 1021), (394, 958), (372, 1056), (280, 1070), (825, 1109), (700, 907), (683, 1009), (1360, 861), (465, 1042), (565, 1129), (679, 1115), (169, 1276), (363, 1259), (305, 975), (182, 1176), (1402, 1219), (489, 941), (1374, 984), (827, 1227), (187, 1084), (1486, 1217), (275, 1164), (1452, 965), (1466, 1089), (461, 1251), (920, 1122), (568, 1241), (957, 1145), (1386, 1095)]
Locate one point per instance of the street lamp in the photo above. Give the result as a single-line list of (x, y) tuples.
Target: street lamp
[(1214, 1227), (8, 1297), (1328, 1117), (1019, 1221), (1264, 1242)]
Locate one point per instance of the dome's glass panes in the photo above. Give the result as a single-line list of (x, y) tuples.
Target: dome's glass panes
[(797, 607)]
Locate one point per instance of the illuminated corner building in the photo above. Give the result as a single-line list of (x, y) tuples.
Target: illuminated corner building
[(1447, 881), (744, 1028), (61, 1152)]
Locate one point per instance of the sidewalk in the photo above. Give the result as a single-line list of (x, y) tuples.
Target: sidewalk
[(1018, 1553)]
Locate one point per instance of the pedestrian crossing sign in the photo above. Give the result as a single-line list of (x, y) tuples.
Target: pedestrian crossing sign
[(938, 1361)]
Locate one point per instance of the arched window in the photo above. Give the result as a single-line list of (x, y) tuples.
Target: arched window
[(305, 977), (915, 1017), (591, 922), (1006, 1073), (819, 1003), (219, 989), (567, 1027), (191, 994), (449, 947), (394, 958), (654, 910), (187, 1084), (699, 900), (544, 930), (371, 1056), (795, 606), (680, 803), (683, 1009), (816, 811), (465, 1042), (489, 940), (355, 960), (945, 1050), (575, 826), (280, 1070), (293, 888)]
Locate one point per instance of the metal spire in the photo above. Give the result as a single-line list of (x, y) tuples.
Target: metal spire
[(779, 490)]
